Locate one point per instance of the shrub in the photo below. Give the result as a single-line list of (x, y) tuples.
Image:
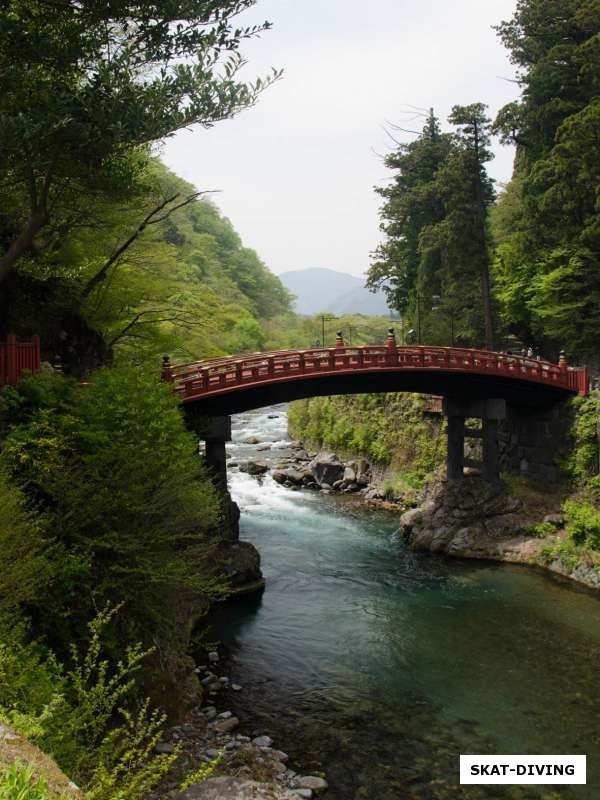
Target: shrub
[(584, 523), (124, 492), (80, 715), (27, 557)]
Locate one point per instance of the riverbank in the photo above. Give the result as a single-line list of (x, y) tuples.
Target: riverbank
[(357, 657), (473, 519), (518, 524)]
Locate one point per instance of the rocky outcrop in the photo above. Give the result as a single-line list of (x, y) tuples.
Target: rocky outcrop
[(240, 565), (471, 518)]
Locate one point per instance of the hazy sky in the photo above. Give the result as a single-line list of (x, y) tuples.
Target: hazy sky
[(296, 172)]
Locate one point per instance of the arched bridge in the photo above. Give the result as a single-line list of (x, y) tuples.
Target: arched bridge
[(474, 384), (231, 385)]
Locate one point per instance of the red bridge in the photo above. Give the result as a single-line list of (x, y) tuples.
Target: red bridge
[(231, 385)]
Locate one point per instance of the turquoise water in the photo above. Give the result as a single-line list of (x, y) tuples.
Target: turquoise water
[(381, 666)]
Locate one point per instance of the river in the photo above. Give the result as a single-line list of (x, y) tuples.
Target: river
[(380, 666)]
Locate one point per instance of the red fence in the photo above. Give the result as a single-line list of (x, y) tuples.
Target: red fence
[(220, 375), (18, 356)]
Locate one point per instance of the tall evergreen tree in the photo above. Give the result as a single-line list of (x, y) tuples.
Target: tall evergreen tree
[(405, 265), (468, 193), (547, 224)]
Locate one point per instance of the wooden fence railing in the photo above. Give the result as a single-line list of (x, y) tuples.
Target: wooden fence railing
[(219, 375), (15, 357)]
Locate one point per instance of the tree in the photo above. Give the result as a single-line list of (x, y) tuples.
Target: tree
[(468, 193), (88, 87), (404, 265), (547, 223)]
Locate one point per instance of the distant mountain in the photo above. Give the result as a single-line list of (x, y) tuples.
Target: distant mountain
[(318, 290)]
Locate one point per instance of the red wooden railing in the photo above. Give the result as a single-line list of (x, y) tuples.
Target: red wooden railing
[(18, 356), (222, 375)]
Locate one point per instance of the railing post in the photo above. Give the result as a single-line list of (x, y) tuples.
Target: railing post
[(12, 373), (166, 374)]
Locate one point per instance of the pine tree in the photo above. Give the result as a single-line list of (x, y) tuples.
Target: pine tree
[(406, 265)]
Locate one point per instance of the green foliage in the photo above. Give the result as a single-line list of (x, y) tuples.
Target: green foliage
[(542, 530), (583, 523), (563, 550), (123, 490), (28, 559), (202, 773), (583, 463), (386, 428), (434, 261), (86, 91), (548, 222), (18, 782), (80, 716)]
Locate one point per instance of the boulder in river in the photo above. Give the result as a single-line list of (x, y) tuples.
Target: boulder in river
[(327, 468), (290, 475), (255, 467)]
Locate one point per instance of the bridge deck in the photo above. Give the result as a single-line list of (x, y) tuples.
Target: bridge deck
[(214, 378)]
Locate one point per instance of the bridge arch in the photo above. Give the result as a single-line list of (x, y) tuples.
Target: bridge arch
[(473, 383)]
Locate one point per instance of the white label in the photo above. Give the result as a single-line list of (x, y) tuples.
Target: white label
[(522, 769)]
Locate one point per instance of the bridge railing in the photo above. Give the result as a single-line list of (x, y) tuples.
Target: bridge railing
[(15, 357), (221, 374)]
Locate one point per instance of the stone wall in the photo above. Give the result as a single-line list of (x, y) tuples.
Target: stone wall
[(535, 443)]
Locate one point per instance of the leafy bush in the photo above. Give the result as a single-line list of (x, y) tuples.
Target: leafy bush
[(27, 557), (80, 716), (583, 462), (123, 490), (584, 523)]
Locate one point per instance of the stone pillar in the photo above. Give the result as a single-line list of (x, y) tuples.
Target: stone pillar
[(490, 411), (491, 450), (455, 459), (215, 433)]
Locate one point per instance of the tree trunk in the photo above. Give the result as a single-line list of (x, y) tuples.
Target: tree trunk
[(487, 304), (24, 241)]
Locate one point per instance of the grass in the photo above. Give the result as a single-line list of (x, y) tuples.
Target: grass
[(19, 782)]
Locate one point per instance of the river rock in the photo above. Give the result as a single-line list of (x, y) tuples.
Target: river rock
[(255, 467), (291, 475), (305, 793), (349, 475), (310, 782), (226, 725), (262, 447), (235, 789), (252, 440), (262, 741), (327, 468)]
